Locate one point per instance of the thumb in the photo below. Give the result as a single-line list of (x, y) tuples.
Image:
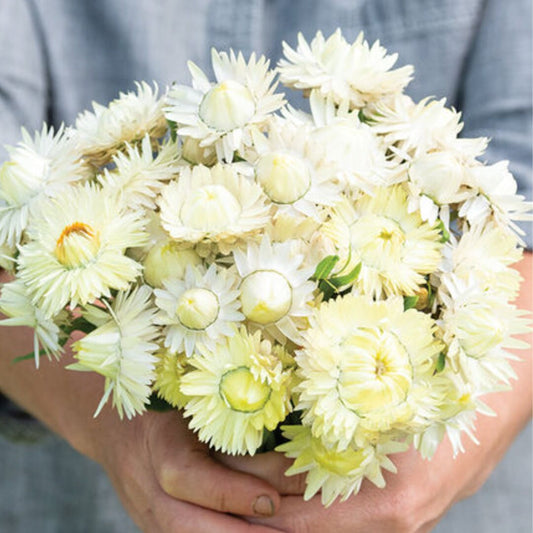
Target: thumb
[(186, 471), (269, 466)]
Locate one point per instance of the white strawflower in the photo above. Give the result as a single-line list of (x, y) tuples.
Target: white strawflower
[(440, 176), (478, 327), (221, 113), (365, 368), (139, 174), (126, 120), (412, 130), (487, 253), (354, 72), (456, 417), (121, 349), (76, 251), (335, 473), (39, 168), (238, 389), (275, 293), (201, 308), (16, 305), (214, 205), (347, 148), (395, 248), (288, 168), (496, 199)]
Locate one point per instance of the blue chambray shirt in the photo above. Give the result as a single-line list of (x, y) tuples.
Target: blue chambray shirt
[(56, 56)]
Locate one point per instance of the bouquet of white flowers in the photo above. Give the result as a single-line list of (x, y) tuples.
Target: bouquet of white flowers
[(334, 282)]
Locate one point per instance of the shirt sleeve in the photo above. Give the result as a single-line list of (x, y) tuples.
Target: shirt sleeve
[(24, 86), (23, 103), (495, 96)]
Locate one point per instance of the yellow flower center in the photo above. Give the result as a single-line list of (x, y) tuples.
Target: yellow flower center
[(197, 308), (77, 245), (227, 106), (340, 463), (376, 372), (210, 208), (242, 392), (378, 240), (285, 178), (266, 296)]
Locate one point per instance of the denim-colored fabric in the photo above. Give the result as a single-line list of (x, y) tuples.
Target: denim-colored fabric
[(56, 56)]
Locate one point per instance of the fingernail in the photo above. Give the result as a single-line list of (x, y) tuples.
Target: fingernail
[(263, 506)]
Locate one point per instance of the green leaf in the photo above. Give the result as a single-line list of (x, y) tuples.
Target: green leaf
[(324, 268), (441, 362), (328, 290), (173, 127), (346, 279), (158, 404), (79, 324), (445, 233), (409, 302)]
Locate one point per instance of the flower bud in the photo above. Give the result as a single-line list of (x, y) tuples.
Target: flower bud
[(227, 106), (197, 308), (285, 178), (167, 260), (266, 296)]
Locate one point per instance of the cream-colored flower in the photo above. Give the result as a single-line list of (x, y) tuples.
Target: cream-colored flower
[(39, 168), (478, 327), (222, 113), (496, 199), (357, 73), (288, 169), (347, 148), (215, 205), (121, 349), (456, 417), (169, 370), (274, 292), (16, 305), (395, 248), (126, 120), (335, 473), (364, 367), (486, 254), (76, 251), (139, 175), (237, 389), (440, 176), (412, 130), (201, 308)]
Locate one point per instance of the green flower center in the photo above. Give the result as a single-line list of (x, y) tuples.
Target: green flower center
[(242, 392)]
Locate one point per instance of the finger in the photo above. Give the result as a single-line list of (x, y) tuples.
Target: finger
[(185, 471), (181, 517), (269, 466)]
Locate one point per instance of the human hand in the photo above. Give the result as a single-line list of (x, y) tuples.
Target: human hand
[(422, 491), (168, 482)]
